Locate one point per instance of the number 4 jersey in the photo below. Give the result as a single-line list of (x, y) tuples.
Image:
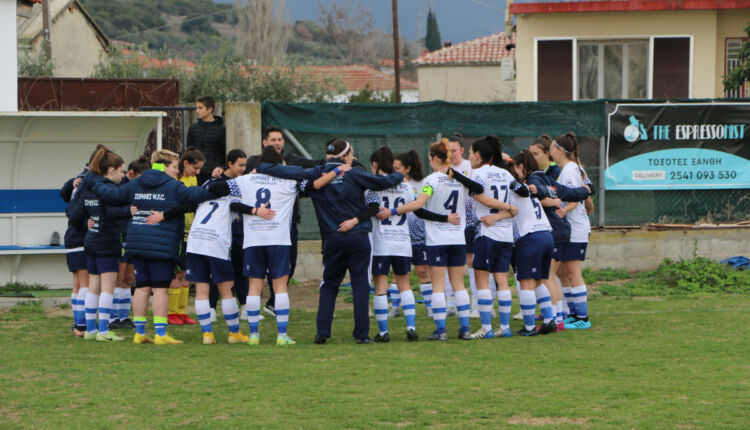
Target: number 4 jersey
[(256, 190), (391, 235), (446, 196)]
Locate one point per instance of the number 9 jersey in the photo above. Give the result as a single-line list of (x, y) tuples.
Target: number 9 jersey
[(446, 196), (211, 232), (390, 237)]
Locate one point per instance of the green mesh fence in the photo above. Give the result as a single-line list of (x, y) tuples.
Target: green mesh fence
[(416, 125)]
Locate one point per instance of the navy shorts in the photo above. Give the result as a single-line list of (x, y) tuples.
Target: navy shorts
[(419, 255), (270, 259), (470, 235), (209, 270), (572, 251), (557, 251), (153, 273), (533, 255), (491, 255), (381, 264), (99, 265), (76, 260), (446, 255)]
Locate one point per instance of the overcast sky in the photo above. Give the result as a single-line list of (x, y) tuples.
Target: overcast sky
[(458, 20)]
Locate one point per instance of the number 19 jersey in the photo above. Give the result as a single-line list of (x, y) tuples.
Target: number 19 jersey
[(256, 190), (211, 231), (446, 196), (390, 236)]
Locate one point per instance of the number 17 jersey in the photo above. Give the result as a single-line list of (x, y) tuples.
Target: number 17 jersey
[(446, 196)]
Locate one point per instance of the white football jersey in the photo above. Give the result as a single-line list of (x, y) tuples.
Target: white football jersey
[(448, 196), (391, 236), (580, 227), (531, 217), (257, 189), (464, 168), (211, 231), (496, 183)]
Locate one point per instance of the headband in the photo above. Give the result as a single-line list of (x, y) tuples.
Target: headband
[(567, 153), (340, 154)]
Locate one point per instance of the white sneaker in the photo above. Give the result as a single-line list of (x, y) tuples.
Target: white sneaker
[(429, 312), (518, 316), (213, 315), (451, 311), (243, 313), (395, 312), (474, 313)]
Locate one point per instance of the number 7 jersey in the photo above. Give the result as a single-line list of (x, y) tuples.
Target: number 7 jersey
[(391, 236), (446, 196), (211, 231)]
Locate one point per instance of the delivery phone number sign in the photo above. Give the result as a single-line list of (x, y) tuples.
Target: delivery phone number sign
[(666, 146)]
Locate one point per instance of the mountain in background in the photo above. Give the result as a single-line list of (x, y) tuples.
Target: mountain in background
[(192, 28)]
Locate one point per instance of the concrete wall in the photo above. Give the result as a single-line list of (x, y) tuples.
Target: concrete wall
[(8, 66), (636, 250), (243, 124), (75, 46), (706, 27), (464, 84)]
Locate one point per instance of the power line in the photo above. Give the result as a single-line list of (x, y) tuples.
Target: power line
[(488, 6), (195, 18)]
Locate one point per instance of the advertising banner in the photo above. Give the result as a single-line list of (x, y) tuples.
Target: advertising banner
[(666, 146)]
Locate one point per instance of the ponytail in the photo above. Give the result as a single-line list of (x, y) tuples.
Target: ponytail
[(441, 150), (525, 159), (411, 159), (569, 144), (103, 159)]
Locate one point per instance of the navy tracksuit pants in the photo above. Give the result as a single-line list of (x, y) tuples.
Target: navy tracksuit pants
[(341, 253)]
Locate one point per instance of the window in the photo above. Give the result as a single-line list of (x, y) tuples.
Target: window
[(732, 55), (612, 69), (554, 70)]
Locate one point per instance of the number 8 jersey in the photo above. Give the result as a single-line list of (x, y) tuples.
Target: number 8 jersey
[(390, 236), (211, 232), (446, 196), (257, 189)]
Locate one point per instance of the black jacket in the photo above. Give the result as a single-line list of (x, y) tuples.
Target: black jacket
[(210, 139), (104, 238)]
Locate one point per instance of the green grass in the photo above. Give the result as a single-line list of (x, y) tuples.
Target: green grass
[(658, 363)]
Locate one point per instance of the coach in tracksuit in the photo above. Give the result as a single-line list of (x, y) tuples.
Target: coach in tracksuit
[(339, 201)]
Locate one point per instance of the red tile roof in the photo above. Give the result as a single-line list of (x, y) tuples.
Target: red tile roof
[(150, 62), (356, 77), (484, 50), (624, 6)]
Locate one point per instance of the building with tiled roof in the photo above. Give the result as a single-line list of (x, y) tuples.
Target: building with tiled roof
[(357, 77), (77, 42), (479, 70)]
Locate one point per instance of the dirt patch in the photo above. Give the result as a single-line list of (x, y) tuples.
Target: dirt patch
[(56, 311), (545, 421)]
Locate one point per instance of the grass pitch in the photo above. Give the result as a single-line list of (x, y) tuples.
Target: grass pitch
[(657, 363)]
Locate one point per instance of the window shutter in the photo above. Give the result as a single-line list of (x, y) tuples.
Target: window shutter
[(671, 67), (554, 71)]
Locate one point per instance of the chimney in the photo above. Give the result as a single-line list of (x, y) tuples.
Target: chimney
[(447, 44)]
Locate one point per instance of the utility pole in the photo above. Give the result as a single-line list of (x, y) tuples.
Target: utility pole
[(46, 30), (396, 55)]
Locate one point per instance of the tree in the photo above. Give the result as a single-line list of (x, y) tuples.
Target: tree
[(737, 77), (37, 65), (367, 95), (432, 40), (348, 29), (262, 35)]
